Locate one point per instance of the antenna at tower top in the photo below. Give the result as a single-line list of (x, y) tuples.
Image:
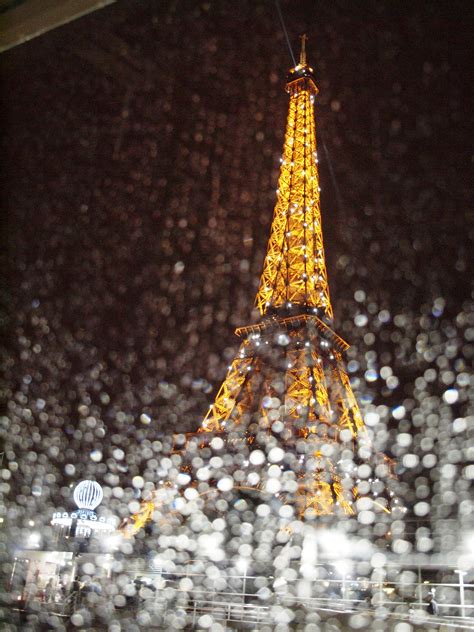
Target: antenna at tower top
[(303, 38)]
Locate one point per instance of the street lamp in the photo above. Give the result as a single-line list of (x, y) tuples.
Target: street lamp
[(342, 567), (461, 591), (34, 540), (242, 565)]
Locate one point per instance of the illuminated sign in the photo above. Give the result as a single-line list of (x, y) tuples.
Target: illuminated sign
[(87, 495)]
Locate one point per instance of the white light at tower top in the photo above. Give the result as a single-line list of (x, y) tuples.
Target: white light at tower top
[(88, 495)]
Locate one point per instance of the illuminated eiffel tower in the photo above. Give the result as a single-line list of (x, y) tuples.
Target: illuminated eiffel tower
[(287, 399), (286, 413)]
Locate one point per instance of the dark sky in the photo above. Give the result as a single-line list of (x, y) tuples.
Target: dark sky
[(141, 150)]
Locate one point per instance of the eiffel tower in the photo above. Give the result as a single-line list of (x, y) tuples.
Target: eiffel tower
[(286, 413)]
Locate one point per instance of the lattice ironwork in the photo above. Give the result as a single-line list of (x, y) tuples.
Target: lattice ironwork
[(288, 385), (314, 387), (294, 271)]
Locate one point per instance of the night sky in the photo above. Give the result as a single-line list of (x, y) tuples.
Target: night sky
[(141, 150)]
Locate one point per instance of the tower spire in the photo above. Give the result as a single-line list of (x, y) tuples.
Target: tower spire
[(294, 274), (304, 39)]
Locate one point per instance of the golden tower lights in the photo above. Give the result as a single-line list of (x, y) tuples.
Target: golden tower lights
[(289, 378), (287, 393)]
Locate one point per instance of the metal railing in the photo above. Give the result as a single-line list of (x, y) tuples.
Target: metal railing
[(404, 602)]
